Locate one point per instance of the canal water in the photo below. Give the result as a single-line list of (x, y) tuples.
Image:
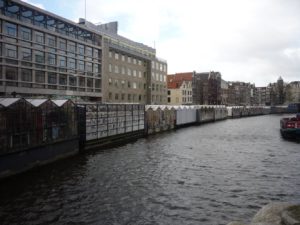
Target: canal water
[(209, 174)]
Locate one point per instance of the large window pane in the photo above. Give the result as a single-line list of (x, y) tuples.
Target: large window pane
[(52, 78), (11, 73), (51, 41), (26, 75), (72, 81), (26, 54), (39, 57), (11, 51), (10, 29), (26, 16), (12, 10), (39, 37), (39, 76), (71, 63), (25, 33), (51, 59), (62, 79)]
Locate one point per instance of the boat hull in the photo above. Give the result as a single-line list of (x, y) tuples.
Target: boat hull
[(290, 133)]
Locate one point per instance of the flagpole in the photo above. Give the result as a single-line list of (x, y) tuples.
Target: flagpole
[(85, 10)]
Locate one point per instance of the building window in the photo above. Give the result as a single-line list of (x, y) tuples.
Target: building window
[(25, 33), (134, 73), (89, 52), (128, 59), (140, 74), (39, 57), (116, 83), (97, 83), (71, 47), (11, 51), (123, 70), (96, 68), (11, 73), (62, 61), (129, 84), (89, 82), (140, 62), (26, 75), (96, 53), (134, 85), (110, 54), (26, 54), (134, 61), (80, 65), (62, 79), (51, 41), (123, 58), (62, 45), (39, 76), (72, 81), (110, 68), (52, 78), (116, 96), (116, 56), (11, 29), (51, 59), (80, 49), (89, 68), (81, 81), (71, 64), (116, 69), (129, 72), (39, 37)]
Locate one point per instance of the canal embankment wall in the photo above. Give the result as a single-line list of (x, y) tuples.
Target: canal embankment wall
[(35, 132)]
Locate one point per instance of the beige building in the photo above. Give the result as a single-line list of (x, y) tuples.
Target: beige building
[(180, 89)]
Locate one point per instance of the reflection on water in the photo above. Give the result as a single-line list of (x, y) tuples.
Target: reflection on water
[(208, 174)]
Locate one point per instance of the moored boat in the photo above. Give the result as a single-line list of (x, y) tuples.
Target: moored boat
[(290, 127)]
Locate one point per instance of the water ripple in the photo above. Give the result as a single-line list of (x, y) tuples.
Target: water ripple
[(209, 174)]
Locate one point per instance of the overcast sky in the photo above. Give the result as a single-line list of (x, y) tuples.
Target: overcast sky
[(246, 40)]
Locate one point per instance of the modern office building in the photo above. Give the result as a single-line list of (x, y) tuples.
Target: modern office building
[(42, 54)]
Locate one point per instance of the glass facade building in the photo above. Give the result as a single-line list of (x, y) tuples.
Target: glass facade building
[(42, 54), (45, 55)]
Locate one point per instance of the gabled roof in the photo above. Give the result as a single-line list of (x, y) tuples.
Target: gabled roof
[(36, 102), (8, 101), (175, 80), (59, 103)]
